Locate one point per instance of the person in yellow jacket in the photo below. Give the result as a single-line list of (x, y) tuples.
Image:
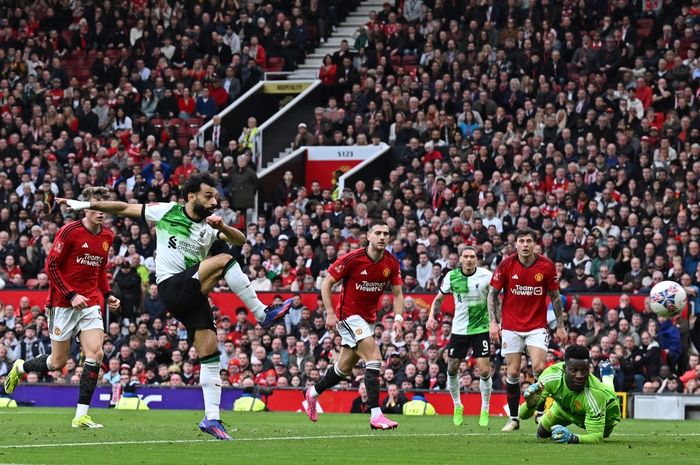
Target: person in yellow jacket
[(247, 137)]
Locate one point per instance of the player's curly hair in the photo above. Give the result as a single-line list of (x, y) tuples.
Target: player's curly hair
[(96, 193), (194, 184), (577, 352)]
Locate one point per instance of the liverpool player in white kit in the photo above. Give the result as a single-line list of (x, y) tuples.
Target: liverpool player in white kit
[(469, 285), (526, 280), (185, 275), (77, 284), (365, 274)]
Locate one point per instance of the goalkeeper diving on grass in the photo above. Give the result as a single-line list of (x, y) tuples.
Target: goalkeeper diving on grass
[(579, 398)]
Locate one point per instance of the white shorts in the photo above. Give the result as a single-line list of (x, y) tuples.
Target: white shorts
[(514, 342), (353, 329), (66, 322)]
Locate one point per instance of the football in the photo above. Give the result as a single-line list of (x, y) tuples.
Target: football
[(667, 299)]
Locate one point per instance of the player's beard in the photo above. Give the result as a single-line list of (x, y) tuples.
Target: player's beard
[(201, 211)]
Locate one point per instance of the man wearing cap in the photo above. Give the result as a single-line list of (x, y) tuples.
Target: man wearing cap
[(303, 137)]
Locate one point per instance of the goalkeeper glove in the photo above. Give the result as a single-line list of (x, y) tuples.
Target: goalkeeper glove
[(532, 395), (562, 435)]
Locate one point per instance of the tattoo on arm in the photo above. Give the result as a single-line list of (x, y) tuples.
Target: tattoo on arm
[(557, 307), (494, 305)]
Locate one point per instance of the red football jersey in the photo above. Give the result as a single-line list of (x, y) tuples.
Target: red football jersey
[(525, 289), (76, 265), (364, 281)]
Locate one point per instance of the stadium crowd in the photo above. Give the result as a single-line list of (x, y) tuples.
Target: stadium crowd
[(576, 118)]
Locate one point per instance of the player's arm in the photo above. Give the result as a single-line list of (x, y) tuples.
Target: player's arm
[(434, 310), (595, 428), (558, 308), (132, 210), (493, 304), (326, 296), (103, 285), (398, 308), (226, 232), (539, 395)]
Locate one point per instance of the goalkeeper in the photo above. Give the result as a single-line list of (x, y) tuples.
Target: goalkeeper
[(579, 398)]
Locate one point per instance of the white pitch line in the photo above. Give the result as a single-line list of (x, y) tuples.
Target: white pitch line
[(301, 438)]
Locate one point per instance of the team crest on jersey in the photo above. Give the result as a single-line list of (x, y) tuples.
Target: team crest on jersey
[(358, 331), (59, 246), (504, 346), (577, 405), (387, 272), (105, 246), (57, 331), (539, 277)]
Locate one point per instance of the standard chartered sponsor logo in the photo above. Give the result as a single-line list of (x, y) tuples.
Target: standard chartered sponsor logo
[(188, 247), (368, 286), (526, 290)]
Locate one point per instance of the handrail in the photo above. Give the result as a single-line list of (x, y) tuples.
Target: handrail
[(230, 108), (258, 143)]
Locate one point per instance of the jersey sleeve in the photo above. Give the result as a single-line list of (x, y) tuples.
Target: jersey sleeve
[(446, 287), (553, 281), (339, 269), (498, 278), (155, 211), (396, 274), (594, 421)]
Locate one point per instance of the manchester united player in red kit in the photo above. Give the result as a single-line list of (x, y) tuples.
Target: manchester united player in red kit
[(77, 283), (526, 278), (365, 274)]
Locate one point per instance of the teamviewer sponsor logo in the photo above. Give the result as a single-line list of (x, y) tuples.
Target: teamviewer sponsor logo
[(89, 260), (367, 286), (526, 290)]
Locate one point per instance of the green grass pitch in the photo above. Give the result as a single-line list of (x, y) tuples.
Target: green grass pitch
[(44, 436)]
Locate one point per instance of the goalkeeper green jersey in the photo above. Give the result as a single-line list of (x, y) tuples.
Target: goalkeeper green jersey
[(593, 409)]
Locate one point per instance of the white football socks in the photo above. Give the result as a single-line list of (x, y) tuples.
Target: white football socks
[(375, 412), (239, 283), (453, 387), (485, 388), (211, 388)]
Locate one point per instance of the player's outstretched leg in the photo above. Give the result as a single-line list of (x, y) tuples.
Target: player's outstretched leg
[(453, 388), (40, 364), (239, 283), (377, 418)]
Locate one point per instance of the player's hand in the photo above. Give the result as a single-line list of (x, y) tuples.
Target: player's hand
[(431, 324), (532, 394), (331, 321), (79, 302), (495, 332), (397, 328), (215, 221), (561, 434), (73, 205), (113, 303), (562, 335)]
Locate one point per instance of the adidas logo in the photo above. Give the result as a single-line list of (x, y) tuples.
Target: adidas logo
[(85, 245), (364, 272), (515, 276)]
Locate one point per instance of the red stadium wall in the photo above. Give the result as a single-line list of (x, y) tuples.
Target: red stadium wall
[(228, 302), (341, 401)]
